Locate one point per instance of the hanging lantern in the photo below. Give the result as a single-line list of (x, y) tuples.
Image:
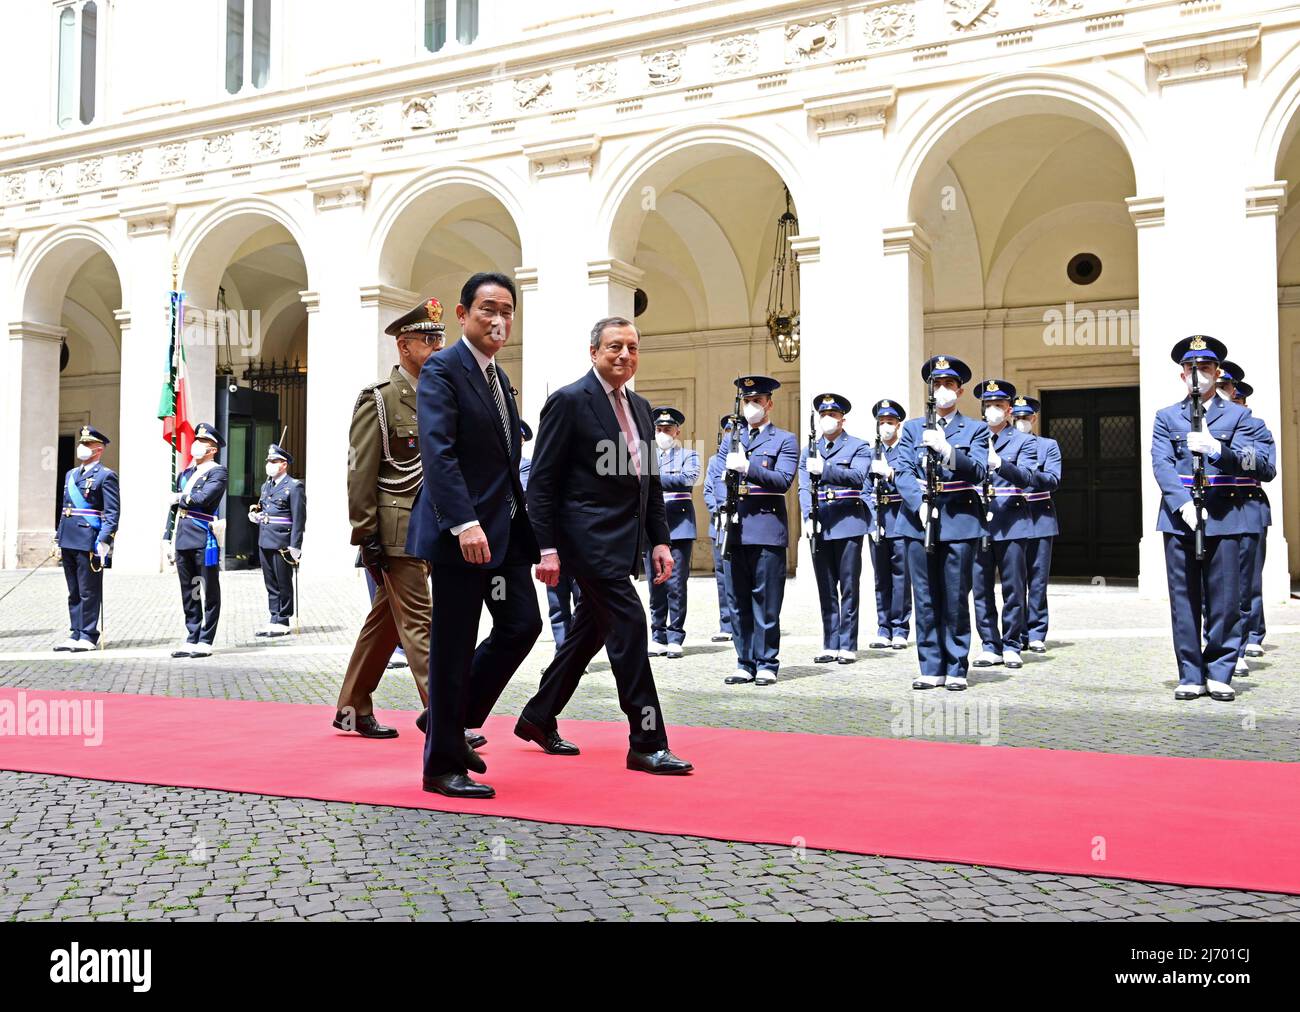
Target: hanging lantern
[(783, 290)]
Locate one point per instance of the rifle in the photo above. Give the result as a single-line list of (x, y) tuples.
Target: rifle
[(729, 521), (987, 494), (1198, 463), (877, 453), (814, 483), (930, 497)]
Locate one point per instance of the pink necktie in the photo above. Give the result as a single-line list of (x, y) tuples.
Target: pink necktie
[(629, 433)]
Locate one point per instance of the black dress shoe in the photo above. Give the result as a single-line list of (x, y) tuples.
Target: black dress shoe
[(825, 657), (366, 726), (551, 742), (422, 721), (473, 739), (738, 679), (474, 761), (181, 652), (262, 633), (662, 762), (458, 785)]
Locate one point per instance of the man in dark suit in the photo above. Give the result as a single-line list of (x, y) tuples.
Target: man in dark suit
[(596, 505), (469, 522)]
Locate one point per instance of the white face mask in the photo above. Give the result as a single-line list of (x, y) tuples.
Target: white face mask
[(203, 451), (1224, 394), (754, 413), (944, 397), (995, 416), (84, 452), (888, 431), (664, 440), (830, 425), (272, 469), (1024, 425), (1203, 384)]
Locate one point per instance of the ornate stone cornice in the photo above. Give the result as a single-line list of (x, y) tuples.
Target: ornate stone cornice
[(861, 110), (1204, 55), (526, 278), (910, 238), (311, 300), (388, 297), (149, 219), (807, 249), (348, 189), (1146, 212), (8, 240), (1266, 200), (617, 272), (563, 157), (29, 330)]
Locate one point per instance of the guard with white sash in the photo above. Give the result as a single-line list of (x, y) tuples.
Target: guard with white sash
[(1008, 525), (281, 514), (679, 470), (942, 459), (1042, 513), (1198, 453), (888, 550), (195, 549), (833, 470), (1260, 512), (714, 499), (765, 466), (87, 527)]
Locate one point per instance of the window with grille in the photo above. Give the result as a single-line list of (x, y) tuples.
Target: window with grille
[(1068, 433)]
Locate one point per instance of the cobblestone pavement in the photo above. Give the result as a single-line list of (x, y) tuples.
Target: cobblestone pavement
[(77, 849)]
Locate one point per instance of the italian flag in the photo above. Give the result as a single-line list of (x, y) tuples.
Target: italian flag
[(174, 405)]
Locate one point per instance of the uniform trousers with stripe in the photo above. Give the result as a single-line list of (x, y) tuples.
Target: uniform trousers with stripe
[(838, 568), (1004, 559), (941, 584)]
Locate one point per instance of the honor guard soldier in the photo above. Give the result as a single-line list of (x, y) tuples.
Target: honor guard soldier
[(888, 550), (1042, 513), (834, 474), (679, 470), (525, 463), (197, 554), (1253, 543), (563, 597), (1008, 525), (712, 485), (384, 479), (85, 538), (942, 459), (1198, 452), (281, 514), (765, 465)]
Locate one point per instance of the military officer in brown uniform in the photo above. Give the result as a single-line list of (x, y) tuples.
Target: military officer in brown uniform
[(384, 476)]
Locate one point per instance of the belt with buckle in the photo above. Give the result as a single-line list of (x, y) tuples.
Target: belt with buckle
[(676, 496), (196, 515), (69, 511), (1211, 480), (830, 495)]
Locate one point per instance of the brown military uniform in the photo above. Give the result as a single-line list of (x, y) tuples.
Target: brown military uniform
[(383, 479)]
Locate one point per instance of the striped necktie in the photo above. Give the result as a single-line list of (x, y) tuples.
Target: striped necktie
[(495, 387)]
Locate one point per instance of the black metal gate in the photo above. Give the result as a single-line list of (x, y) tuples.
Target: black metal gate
[(289, 383)]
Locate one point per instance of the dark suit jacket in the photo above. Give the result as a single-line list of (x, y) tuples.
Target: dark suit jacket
[(205, 496), (468, 475), (600, 517)]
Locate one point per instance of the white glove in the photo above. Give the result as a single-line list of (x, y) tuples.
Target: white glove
[(737, 461), (882, 468), (873, 535), (811, 529), (994, 460), (816, 465), (1188, 511), (103, 549), (254, 516), (295, 553), (933, 439), (179, 499), (1203, 442)]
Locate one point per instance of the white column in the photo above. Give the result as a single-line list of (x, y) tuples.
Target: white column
[(338, 337), (8, 443), (855, 298), (1255, 341), (559, 297), (31, 437), (144, 459), (901, 308), (380, 306)]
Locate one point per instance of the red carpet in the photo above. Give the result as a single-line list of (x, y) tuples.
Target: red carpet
[(1206, 822)]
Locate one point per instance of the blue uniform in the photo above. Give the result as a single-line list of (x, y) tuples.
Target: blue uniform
[(941, 581), (563, 597), (755, 574), (1216, 578), (280, 526), (844, 518), (1009, 529), (197, 552), (1038, 548), (714, 504), (889, 554), (679, 470), (89, 519), (1253, 544)]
